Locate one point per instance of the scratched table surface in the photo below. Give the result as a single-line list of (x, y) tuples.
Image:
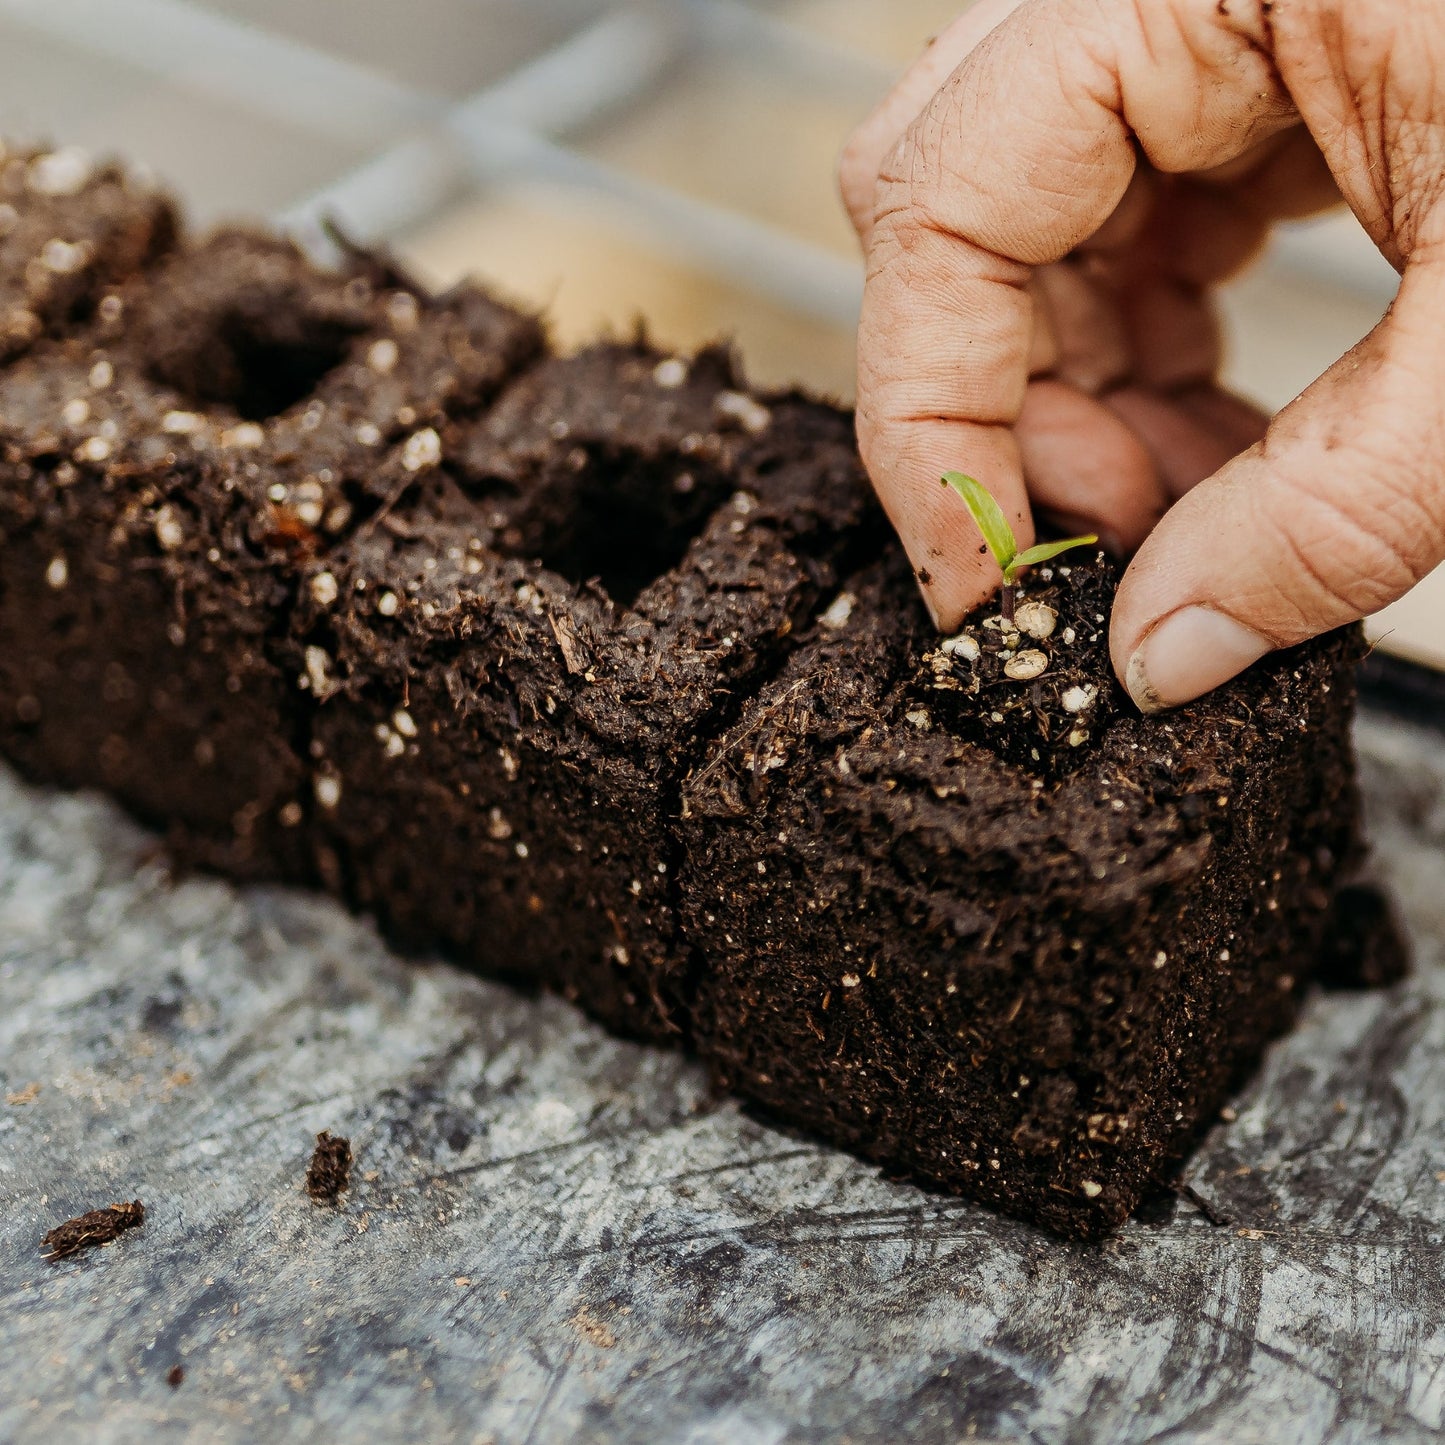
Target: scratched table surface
[(554, 1236)]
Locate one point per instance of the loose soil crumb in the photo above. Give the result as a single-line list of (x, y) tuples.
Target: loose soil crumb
[(329, 1173), (98, 1226)]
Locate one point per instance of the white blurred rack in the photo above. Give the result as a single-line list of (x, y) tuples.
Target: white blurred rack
[(395, 120), (382, 116), (335, 130)]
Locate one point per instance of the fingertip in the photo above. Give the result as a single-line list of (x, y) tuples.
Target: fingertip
[(962, 571), (1236, 421), (952, 564), (924, 579), (907, 461)]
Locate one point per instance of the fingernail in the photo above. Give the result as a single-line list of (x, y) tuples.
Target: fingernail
[(1190, 653)]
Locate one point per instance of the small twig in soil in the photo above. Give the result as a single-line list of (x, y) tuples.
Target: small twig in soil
[(751, 731), (98, 1226), (329, 1172), (376, 261), (1215, 1216)]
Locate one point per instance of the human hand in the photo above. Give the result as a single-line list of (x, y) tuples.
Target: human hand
[(1072, 178)]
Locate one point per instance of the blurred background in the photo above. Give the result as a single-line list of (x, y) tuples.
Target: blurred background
[(670, 159)]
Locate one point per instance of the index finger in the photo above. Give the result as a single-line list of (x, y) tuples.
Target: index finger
[(869, 145), (1021, 156)]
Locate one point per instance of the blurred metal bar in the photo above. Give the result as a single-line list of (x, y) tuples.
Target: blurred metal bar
[(608, 64), (784, 46), (254, 68), (382, 198), (748, 253), (618, 59), (505, 135)]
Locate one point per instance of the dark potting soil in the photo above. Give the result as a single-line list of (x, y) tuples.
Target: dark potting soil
[(1031, 981), (1366, 946), (602, 673)]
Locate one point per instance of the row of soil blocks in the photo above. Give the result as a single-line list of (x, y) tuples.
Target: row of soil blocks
[(600, 672)]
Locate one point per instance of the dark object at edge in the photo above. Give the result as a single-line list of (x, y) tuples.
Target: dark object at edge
[(1405, 690)]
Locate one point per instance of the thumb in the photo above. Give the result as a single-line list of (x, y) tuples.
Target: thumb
[(1339, 511)]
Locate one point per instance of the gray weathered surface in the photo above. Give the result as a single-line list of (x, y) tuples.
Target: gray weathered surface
[(562, 1236)]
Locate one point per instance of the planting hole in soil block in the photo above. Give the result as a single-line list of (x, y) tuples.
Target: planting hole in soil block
[(154, 538), (601, 470), (501, 744), (603, 673)]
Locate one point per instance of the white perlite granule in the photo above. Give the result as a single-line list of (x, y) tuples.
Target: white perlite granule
[(839, 611), (1025, 666), (962, 646), (1036, 620), (65, 172), (423, 449), (670, 374), (169, 532), (324, 589), (752, 416), (383, 356)]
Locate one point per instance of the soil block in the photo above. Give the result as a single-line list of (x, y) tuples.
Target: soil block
[(601, 672), (503, 742), (1029, 981), (166, 467)]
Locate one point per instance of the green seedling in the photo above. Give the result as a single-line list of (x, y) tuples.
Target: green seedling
[(999, 536)]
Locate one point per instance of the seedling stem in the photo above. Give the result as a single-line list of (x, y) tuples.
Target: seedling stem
[(999, 537)]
